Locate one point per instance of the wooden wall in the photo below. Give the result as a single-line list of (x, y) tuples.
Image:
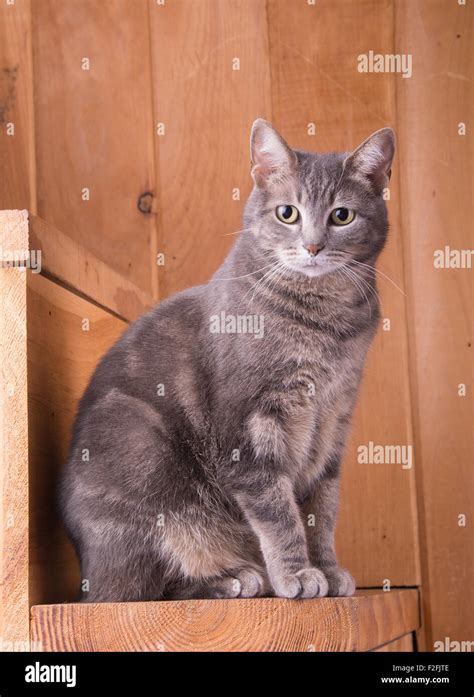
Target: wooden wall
[(437, 186), (17, 148), (165, 109), (206, 107)]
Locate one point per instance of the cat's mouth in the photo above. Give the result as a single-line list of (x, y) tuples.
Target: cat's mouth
[(311, 266)]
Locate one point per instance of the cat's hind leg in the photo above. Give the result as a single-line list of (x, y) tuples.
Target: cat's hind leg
[(121, 578)]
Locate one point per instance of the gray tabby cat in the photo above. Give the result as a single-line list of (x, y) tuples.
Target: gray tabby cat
[(214, 456)]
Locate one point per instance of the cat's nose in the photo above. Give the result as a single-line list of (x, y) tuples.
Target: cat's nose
[(313, 249)]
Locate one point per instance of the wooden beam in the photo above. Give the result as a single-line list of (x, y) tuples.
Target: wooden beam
[(363, 622), (65, 260), (14, 546)]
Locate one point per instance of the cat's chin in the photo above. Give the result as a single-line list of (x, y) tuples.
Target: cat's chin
[(313, 270)]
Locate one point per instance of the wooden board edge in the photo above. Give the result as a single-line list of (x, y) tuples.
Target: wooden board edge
[(398, 608), (14, 502), (404, 643), (14, 245), (361, 623)]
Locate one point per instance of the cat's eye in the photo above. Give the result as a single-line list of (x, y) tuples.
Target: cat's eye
[(342, 216), (287, 214)]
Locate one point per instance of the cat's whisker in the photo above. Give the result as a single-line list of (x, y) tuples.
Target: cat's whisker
[(370, 289), (362, 280), (359, 284), (344, 271), (380, 273), (237, 232), (259, 280), (337, 255), (272, 278), (266, 283), (282, 271), (237, 278), (262, 282), (277, 276)]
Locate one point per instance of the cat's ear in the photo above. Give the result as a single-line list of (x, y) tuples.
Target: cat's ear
[(373, 158), (272, 158)]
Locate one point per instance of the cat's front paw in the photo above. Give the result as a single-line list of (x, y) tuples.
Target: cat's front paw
[(340, 582), (306, 583), (251, 583)]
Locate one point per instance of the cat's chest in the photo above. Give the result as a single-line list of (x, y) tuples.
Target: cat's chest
[(322, 366), (310, 434), (319, 345), (325, 391)]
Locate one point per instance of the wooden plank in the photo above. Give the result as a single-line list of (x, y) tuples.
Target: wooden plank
[(263, 624), (64, 259), (436, 193), (94, 129), (404, 643), (316, 81), (61, 357), (14, 237), (17, 183), (207, 109), (14, 552)]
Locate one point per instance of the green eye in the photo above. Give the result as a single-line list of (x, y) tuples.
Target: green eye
[(342, 216), (287, 214)]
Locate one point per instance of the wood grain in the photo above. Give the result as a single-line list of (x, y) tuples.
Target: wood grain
[(437, 194), (65, 260), (18, 180), (14, 552), (263, 624), (94, 129), (207, 109), (61, 359), (315, 80)]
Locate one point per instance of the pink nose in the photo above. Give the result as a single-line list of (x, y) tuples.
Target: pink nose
[(313, 249)]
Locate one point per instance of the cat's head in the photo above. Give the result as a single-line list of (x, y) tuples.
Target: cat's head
[(316, 212)]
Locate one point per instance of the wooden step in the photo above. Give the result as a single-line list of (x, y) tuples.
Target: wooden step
[(367, 621)]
